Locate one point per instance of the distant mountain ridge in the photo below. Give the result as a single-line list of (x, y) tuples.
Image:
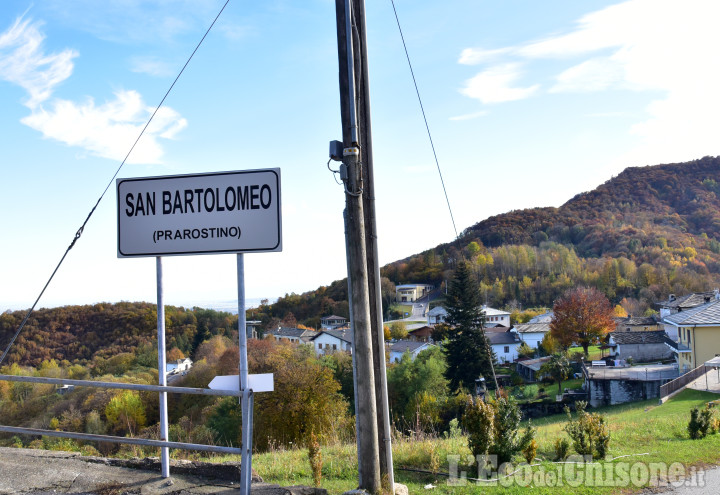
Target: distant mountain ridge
[(664, 219), (678, 199)]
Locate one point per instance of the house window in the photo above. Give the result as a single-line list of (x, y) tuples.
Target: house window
[(334, 347), (507, 349), (319, 346)]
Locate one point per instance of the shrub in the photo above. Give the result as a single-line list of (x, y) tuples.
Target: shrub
[(493, 427), (701, 423), (315, 458), (530, 451), (589, 433), (478, 420), (562, 447)]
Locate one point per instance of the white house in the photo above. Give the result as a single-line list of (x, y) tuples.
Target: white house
[(532, 333), (504, 344), (328, 341), (411, 292), (178, 366), (414, 348), (436, 315), (496, 317)]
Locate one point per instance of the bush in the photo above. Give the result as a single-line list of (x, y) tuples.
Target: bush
[(526, 392), (478, 420), (562, 447), (493, 427), (530, 451), (701, 423), (589, 433), (315, 458)]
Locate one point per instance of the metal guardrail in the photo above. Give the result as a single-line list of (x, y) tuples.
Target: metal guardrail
[(681, 382), (125, 386), (120, 385)]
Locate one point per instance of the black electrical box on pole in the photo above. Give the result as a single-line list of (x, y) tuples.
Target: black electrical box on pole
[(365, 293)]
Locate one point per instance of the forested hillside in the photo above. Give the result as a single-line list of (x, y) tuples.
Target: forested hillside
[(97, 333), (646, 233)]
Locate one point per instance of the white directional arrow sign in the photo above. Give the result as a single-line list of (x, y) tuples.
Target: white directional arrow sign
[(262, 382)]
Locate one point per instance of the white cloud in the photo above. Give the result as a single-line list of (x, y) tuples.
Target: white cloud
[(474, 56), (596, 74), (23, 61), (470, 116), (494, 85), (663, 48), (110, 129), (152, 66)]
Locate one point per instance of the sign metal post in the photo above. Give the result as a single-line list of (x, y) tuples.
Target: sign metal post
[(162, 368), (246, 400), (224, 212)]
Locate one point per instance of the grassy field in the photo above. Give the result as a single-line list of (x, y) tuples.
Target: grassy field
[(642, 432), (594, 352)]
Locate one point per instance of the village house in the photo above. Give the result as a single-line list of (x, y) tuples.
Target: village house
[(436, 315), (698, 331), (411, 292), (328, 341), (422, 334), (178, 366), (636, 324), (332, 322), (251, 328), (543, 318), (496, 317), (504, 343), (609, 385), (532, 333), (642, 347), (413, 348), (529, 369), (675, 305), (292, 334)]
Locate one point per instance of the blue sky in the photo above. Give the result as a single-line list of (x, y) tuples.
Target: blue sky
[(529, 103)]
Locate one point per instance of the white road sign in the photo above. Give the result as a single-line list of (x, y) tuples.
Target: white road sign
[(262, 382), (223, 212)]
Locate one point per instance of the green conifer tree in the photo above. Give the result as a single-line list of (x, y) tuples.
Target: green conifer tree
[(466, 347)]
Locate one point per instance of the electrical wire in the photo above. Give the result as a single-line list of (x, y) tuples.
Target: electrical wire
[(87, 219), (422, 109)]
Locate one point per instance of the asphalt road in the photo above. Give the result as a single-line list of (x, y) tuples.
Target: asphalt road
[(25, 471)]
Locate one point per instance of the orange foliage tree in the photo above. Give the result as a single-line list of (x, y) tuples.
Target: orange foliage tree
[(581, 316)]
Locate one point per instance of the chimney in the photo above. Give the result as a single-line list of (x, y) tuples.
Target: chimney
[(672, 297)]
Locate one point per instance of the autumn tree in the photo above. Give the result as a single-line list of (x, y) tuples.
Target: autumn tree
[(398, 330), (467, 350), (581, 316), (306, 398), (125, 412)]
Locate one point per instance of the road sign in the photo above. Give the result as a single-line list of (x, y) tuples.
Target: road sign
[(262, 382), (223, 212)]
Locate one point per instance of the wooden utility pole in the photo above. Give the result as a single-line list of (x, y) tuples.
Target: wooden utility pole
[(354, 183), (373, 263)]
